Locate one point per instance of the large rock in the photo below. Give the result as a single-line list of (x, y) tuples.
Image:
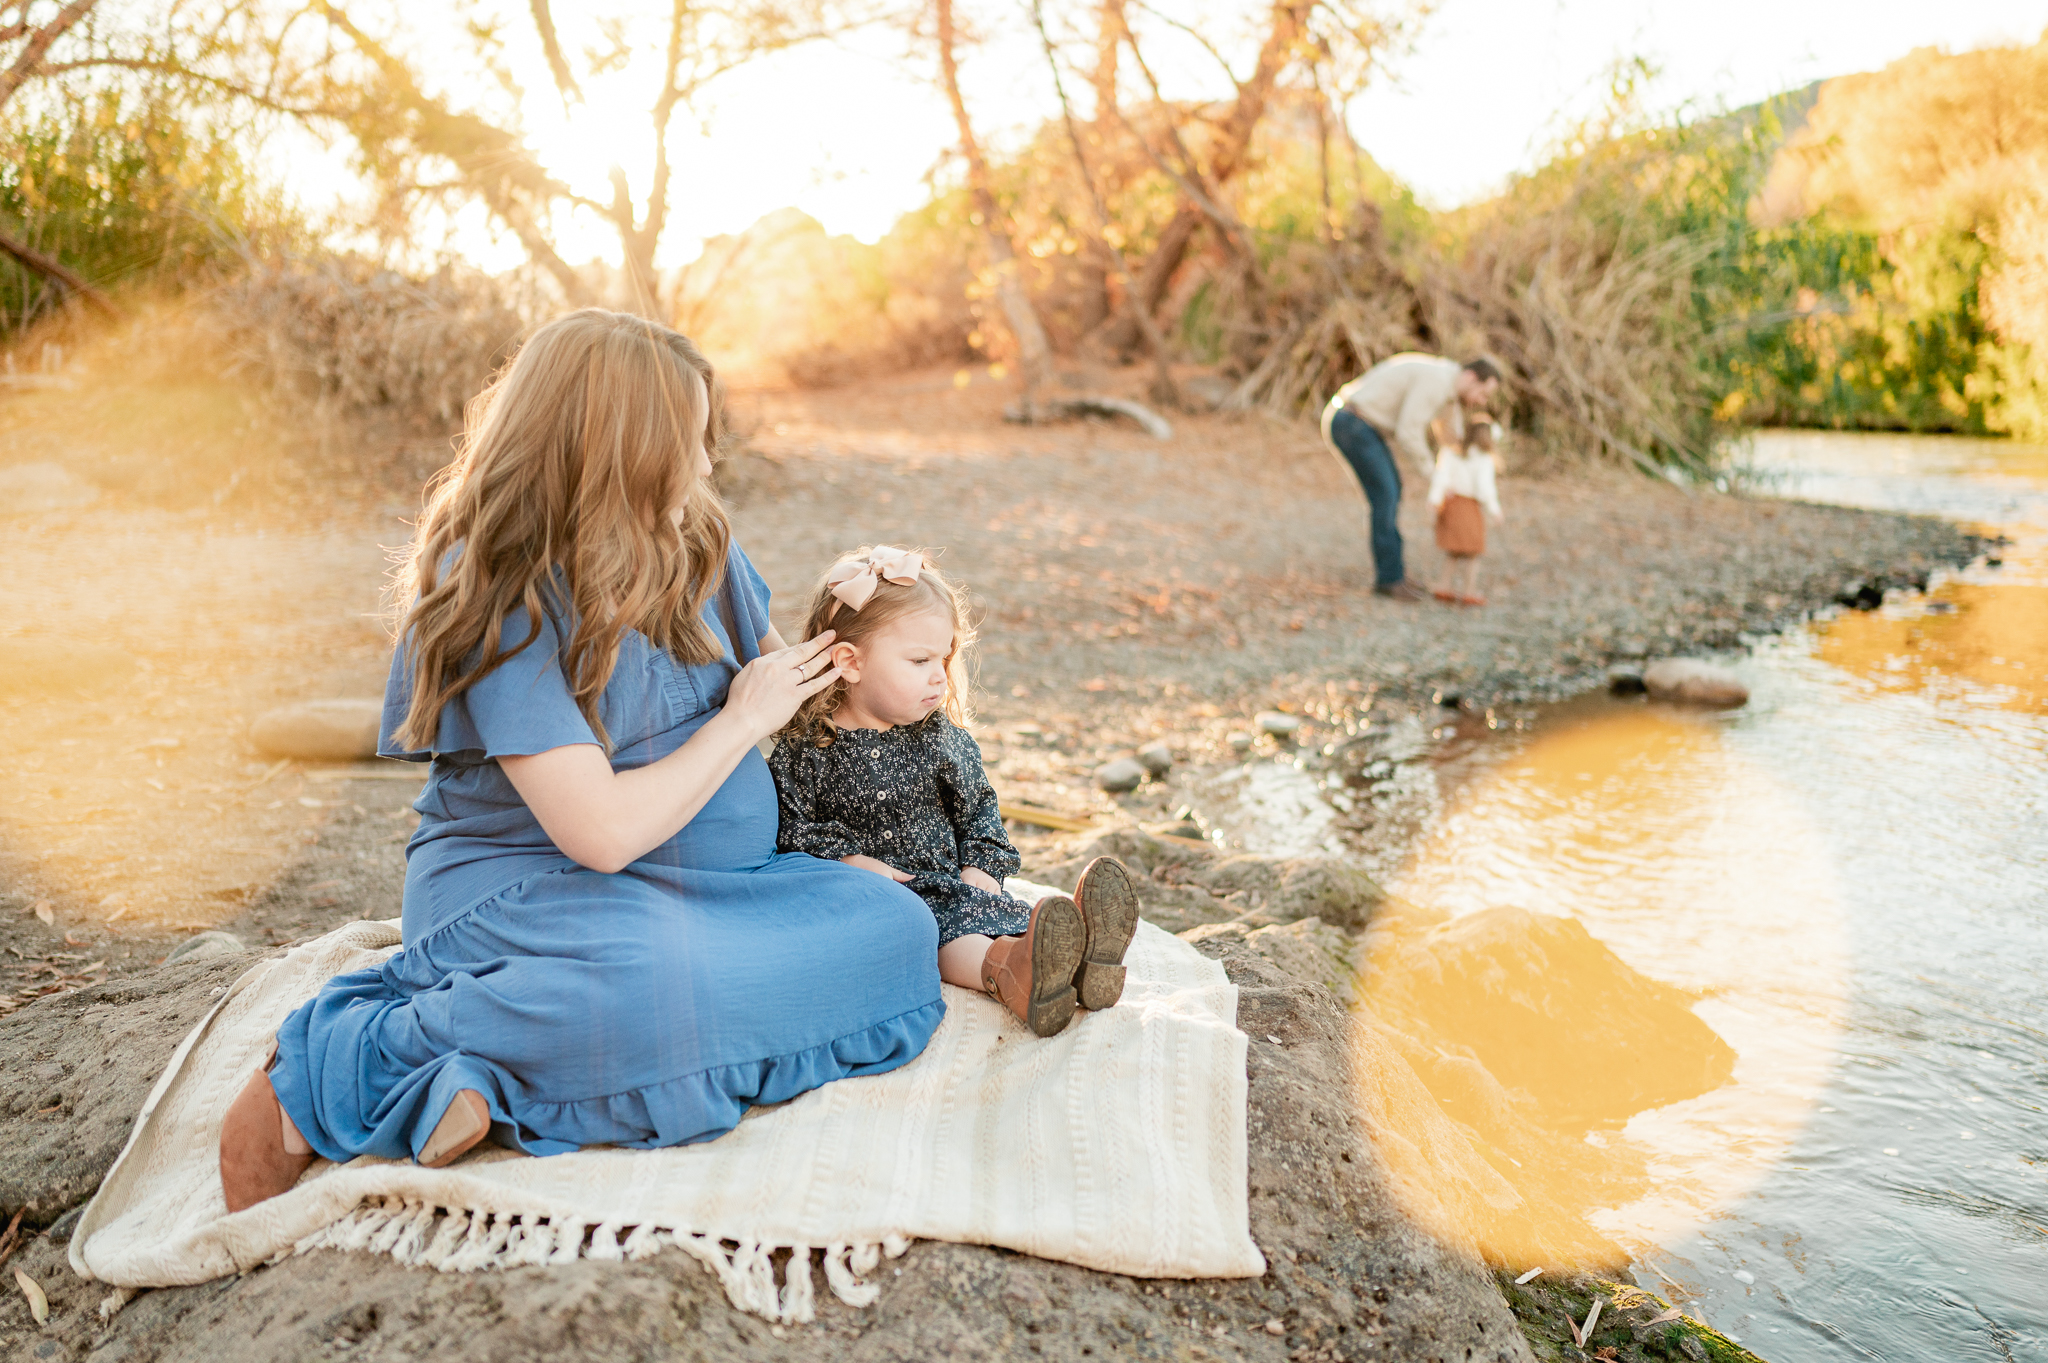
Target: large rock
[(1549, 1011), (29, 489), (320, 730), (1353, 1274), (1693, 681)]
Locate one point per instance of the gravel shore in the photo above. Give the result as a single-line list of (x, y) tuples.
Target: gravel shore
[(1134, 589)]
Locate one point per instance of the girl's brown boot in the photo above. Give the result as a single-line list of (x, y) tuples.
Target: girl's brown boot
[(1033, 975)]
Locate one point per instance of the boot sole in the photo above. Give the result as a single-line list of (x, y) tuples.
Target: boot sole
[(1057, 939), (1109, 910)]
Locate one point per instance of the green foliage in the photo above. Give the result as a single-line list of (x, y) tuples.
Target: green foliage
[(119, 187), (1844, 328), (1881, 266)]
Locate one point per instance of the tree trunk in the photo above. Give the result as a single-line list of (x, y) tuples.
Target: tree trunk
[(1034, 352), (1233, 142), (1164, 389)]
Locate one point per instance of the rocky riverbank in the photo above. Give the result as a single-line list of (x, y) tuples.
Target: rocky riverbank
[(1384, 1174)]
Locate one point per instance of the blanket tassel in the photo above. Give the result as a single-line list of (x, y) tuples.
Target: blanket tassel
[(463, 1240)]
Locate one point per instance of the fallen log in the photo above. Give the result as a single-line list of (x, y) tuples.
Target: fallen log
[(55, 270), (1072, 409)]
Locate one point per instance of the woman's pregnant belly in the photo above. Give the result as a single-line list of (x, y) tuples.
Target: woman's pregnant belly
[(734, 831)]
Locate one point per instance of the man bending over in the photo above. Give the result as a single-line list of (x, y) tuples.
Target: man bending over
[(1394, 403)]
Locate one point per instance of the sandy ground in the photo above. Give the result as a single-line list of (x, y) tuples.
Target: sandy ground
[(179, 566)]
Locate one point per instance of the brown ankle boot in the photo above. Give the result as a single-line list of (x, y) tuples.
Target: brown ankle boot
[(255, 1166), (1109, 915), (1033, 975)]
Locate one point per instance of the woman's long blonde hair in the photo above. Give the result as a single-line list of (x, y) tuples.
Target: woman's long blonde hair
[(891, 602), (561, 500)]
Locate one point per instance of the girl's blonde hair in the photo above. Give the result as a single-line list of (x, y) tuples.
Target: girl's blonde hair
[(562, 499), (892, 601)]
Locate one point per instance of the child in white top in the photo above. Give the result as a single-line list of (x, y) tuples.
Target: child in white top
[(1463, 496)]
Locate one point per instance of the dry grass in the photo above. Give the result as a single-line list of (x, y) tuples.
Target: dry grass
[(354, 338)]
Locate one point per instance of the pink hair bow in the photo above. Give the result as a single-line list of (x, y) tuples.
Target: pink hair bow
[(854, 580)]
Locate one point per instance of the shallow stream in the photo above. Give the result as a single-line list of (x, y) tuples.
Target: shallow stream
[(1852, 873)]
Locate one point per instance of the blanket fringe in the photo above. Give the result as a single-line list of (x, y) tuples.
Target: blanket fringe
[(460, 1240)]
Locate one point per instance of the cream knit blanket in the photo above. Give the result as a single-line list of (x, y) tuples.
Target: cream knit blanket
[(1118, 1145)]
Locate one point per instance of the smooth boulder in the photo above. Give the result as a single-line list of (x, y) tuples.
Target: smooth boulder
[(1185, 882), (1156, 758), (206, 946), (28, 489), (1118, 777), (1693, 681), (320, 730)]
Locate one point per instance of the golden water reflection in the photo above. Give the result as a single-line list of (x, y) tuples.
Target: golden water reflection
[(1990, 645), (1701, 913)]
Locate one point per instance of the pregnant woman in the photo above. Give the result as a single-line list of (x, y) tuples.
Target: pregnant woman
[(602, 945)]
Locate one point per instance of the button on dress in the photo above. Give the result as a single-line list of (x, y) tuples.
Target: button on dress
[(645, 1008)]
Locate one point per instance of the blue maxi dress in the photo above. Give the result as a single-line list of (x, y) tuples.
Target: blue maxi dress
[(646, 1008)]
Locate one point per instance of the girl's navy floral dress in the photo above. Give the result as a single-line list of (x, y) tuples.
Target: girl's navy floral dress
[(915, 797)]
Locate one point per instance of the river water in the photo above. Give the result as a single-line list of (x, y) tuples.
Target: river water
[(1852, 873)]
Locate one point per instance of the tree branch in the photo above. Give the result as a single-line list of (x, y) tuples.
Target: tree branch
[(55, 270), (492, 162), (28, 62), (163, 67), (1194, 33), (544, 24)]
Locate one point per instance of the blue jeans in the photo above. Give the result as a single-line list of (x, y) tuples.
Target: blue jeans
[(1366, 451)]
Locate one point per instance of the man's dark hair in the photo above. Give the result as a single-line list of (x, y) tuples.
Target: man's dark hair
[(1485, 370)]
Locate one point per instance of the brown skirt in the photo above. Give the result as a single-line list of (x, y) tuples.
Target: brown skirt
[(1461, 526)]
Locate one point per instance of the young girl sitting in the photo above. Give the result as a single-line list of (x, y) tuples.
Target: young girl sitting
[(1463, 496), (876, 771)]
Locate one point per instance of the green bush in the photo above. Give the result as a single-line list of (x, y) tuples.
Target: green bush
[(119, 187)]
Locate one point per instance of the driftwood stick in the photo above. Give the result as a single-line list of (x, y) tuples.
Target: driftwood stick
[(52, 268), (1090, 404)]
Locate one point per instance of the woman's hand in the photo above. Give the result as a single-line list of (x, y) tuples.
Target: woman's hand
[(981, 880), (880, 868), (768, 690), (606, 820)]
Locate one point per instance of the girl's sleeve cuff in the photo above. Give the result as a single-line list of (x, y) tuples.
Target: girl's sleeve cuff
[(997, 863)]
